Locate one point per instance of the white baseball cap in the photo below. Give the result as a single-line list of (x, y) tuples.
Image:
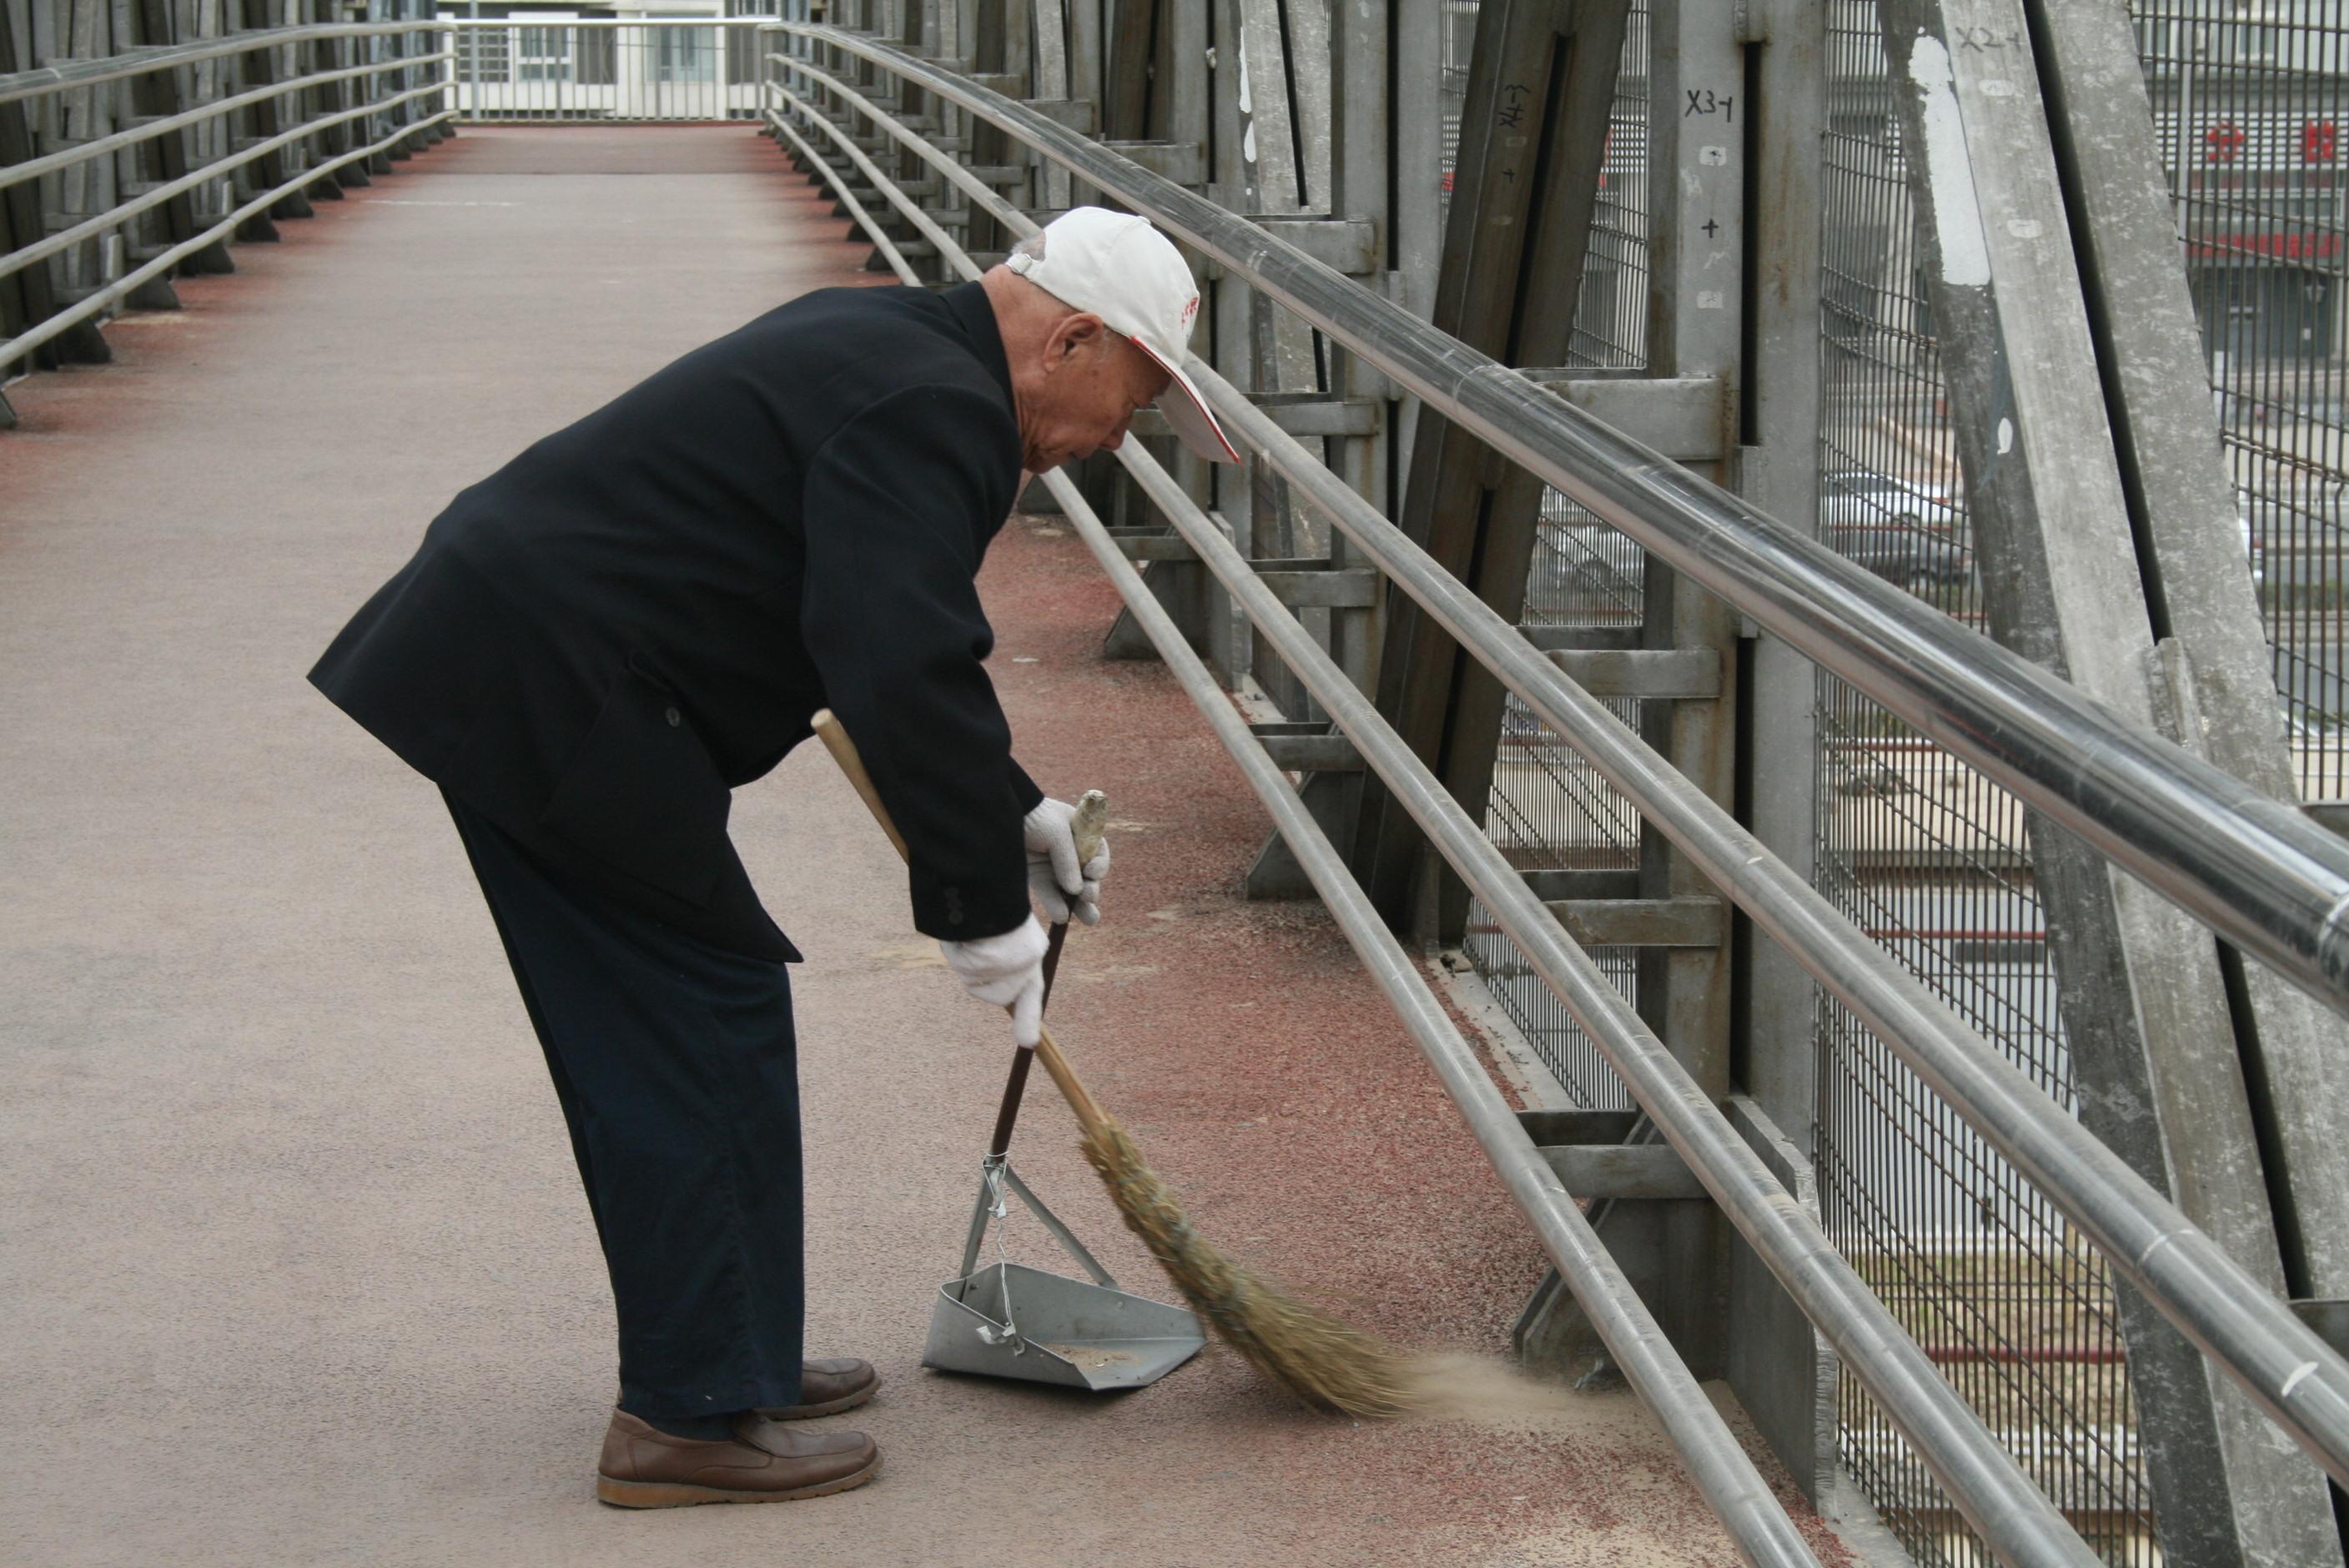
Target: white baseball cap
[(1119, 268)]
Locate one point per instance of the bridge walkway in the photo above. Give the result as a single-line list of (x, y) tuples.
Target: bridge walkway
[(296, 1269)]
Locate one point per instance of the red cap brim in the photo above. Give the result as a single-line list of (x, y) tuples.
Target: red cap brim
[(1187, 415)]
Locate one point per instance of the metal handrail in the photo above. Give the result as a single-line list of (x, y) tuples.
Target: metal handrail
[(65, 158), (523, 19), (2249, 867), (2261, 1342), (1718, 1464), (1992, 1488), (122, 212), (2293, 1374), (82, 74), (863, 221), (161, 56)]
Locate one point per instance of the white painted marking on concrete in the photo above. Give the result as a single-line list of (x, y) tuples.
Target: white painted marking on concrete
[(2005, 437), (1247, 106), (1957, 214)]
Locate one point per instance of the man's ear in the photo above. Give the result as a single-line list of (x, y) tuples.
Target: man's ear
[(1083, 330)]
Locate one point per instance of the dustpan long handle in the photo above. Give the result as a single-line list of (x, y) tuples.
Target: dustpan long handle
[(835, 736), (1015, 1084)]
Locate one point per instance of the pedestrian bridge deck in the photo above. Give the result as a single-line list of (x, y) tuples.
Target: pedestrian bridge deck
[(294, 1266)]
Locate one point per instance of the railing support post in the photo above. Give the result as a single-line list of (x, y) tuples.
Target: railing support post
[(268, 117), (1541, 82), (32, 294), (1780, 1366)]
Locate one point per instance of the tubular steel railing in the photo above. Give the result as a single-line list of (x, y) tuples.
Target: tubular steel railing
[(389, 118), (2153, 809), (673, 69), (322, 121), (2255, 870), (1720, 1468)]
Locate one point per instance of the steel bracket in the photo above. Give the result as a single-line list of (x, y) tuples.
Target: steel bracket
[(1308, 748), (1688, 419), (1303, 414), (1318, 585), (1686, 922), (1588, 1150), (1184, 163), (1347, 245), (1650, 673)]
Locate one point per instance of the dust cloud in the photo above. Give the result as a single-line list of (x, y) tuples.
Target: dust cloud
[(1458, 1387)]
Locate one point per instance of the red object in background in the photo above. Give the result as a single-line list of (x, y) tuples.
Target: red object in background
[(2318, 141), (2223, 142)]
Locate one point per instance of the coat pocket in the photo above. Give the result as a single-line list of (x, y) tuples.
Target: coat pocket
[(643, 796)]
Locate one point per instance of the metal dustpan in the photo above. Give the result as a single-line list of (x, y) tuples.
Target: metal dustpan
[(1008, 1320)]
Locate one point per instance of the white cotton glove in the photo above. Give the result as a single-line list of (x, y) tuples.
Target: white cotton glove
[(1006, 970), (1061, 887)]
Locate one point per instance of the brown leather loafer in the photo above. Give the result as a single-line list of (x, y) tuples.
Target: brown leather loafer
[(641, 1468), (829, 1385)]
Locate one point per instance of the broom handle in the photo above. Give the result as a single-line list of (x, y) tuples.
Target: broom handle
[(1015, 1084), (835, 736)]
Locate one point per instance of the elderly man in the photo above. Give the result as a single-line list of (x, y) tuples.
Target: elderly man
[(639, 614)]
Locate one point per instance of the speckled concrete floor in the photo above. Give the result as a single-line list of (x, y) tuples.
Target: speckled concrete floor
[(293, 1268)]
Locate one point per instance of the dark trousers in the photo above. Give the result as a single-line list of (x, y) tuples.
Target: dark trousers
[(677, 1072)]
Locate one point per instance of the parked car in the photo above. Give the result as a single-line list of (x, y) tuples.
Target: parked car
[(1905, 557), (1859, 497), (1904, 533)]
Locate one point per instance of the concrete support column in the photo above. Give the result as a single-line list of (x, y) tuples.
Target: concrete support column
[(2145, 1000)]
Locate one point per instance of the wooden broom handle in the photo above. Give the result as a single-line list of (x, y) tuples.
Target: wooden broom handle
[(835, 736)]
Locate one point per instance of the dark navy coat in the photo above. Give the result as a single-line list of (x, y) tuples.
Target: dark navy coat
[(640, 614)]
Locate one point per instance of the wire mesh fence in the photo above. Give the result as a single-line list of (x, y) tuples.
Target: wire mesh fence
[(1932, 861), (1925, 855), (2250, 106), (1550, 809)]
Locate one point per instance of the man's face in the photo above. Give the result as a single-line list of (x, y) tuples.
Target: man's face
[(1093, 382)]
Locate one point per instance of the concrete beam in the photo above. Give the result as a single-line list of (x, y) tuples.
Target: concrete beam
[(1688, 419)]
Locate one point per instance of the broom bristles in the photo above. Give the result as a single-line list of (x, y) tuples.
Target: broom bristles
[(1326, 1363)]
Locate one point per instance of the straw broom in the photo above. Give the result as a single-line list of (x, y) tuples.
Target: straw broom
[(1327, 1364)]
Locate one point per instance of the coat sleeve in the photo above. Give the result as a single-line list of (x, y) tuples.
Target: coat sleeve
[(900, 503)]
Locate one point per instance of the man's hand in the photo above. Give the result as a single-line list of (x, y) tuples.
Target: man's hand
[(1062, 886), (1006, 970)]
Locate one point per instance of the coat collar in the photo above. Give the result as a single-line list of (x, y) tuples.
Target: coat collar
[(972, 310)]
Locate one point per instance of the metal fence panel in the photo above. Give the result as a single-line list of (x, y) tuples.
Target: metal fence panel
[(1932, 859), (514, 67), (2250, 107)]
